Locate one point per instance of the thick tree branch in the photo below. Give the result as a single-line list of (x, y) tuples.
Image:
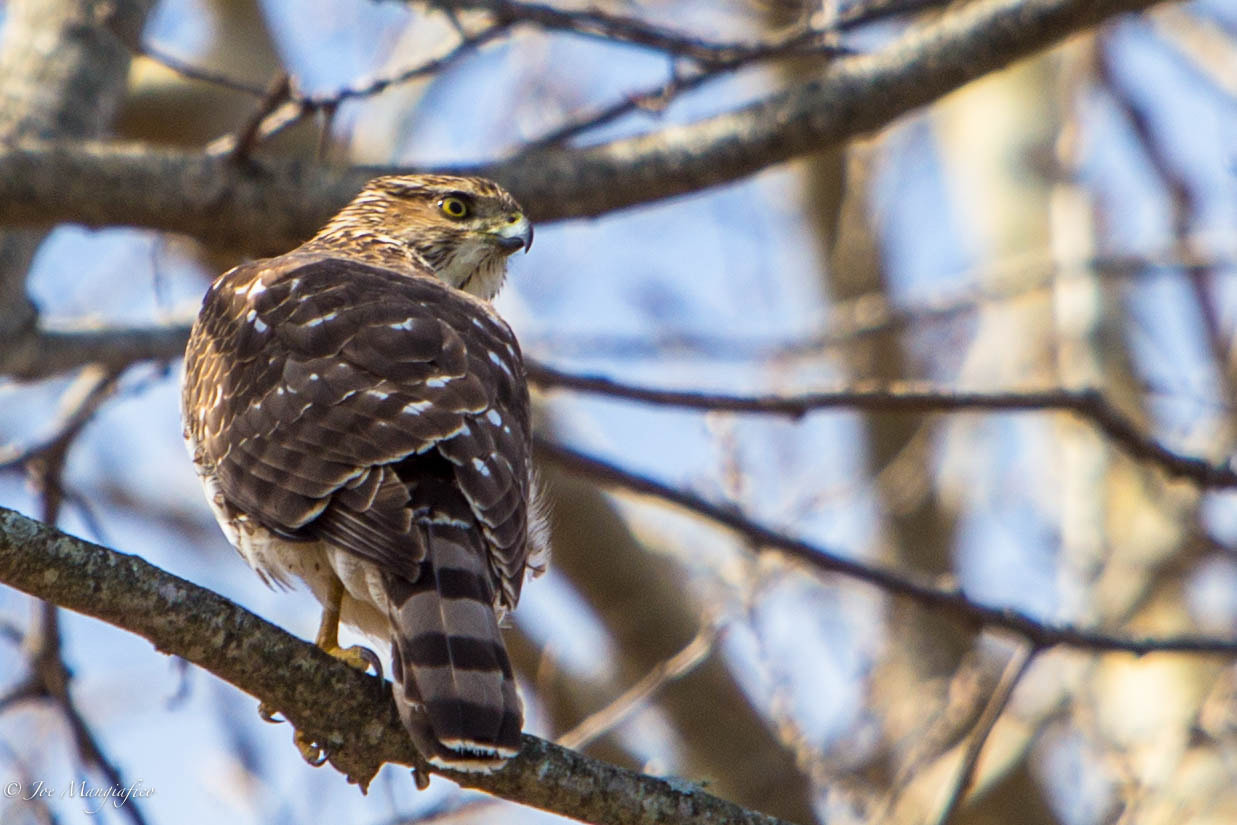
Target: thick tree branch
[(44, 353), (227, 205), (351, 713)]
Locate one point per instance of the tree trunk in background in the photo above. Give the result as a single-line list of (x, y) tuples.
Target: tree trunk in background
[(989, 136), (61, 76), (909, 687)]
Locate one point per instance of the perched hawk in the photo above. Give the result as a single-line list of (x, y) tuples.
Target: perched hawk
[(358, 416)]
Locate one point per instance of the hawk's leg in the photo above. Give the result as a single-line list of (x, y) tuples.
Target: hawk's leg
[(361, 658)]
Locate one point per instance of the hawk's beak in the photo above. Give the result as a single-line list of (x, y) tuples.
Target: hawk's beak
[(516, 232)]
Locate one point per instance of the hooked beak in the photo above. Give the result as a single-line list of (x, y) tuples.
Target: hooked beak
[(514, 234)]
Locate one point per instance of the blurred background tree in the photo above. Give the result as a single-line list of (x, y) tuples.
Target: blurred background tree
[(885, 399)]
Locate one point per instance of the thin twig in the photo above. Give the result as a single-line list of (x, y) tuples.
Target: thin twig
[(1015, 669), (911, 397), (465, 46), (192, 72), (248, 136), (630, 30), (88, 394), (874, 314), (294, 106), (49, 676), (797, 44), (676, 666), (951, 601)]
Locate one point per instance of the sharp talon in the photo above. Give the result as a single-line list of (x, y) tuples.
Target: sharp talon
[(359, 657), (267, 714), (421, 778), (370, 658)]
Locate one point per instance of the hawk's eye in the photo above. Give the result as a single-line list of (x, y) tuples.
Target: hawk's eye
[(453, 207)]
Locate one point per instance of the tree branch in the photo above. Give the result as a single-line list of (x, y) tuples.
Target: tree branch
[(909, 397), (47, 353), (622, 29), (352, 713), (950, 600), (269, 212)]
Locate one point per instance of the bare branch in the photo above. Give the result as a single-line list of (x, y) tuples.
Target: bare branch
[(667, 670), (49, 677), (46, 352), (273, 210), (46, 459), (1015, 669), (873, 313), (914, 398), (951, 601), (623, 29), (298, 105), (335, 704), (188, 70), (249, 135), (62, 351)]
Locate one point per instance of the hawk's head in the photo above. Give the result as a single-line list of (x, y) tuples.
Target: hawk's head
[(463, 228)]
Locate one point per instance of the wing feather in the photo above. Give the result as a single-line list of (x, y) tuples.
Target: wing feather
[(346, 386)]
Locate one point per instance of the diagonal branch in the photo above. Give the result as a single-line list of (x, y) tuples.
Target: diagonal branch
[(271, 211), (950, 600), (333, 703), (1015, 669)]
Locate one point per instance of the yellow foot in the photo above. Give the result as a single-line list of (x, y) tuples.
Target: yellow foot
[(361, 658)]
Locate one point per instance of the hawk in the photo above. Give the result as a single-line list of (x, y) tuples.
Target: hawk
[(358, 416)]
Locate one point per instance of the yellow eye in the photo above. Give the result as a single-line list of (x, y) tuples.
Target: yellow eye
[(453, 207)]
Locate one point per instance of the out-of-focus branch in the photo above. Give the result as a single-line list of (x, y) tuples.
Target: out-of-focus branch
[(46, 460), (613, 714), (296, 105), (333, 703), (623, 29), (951, 601), (49, 353), (49, 678), (46, 352), (268, 212), (915, 397), (43, 352), (1015, 669), (872, 313)]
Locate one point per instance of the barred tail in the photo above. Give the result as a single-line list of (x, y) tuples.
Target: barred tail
[(454, 686)]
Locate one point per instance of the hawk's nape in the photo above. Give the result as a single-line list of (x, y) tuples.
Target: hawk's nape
[(358, 415)]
